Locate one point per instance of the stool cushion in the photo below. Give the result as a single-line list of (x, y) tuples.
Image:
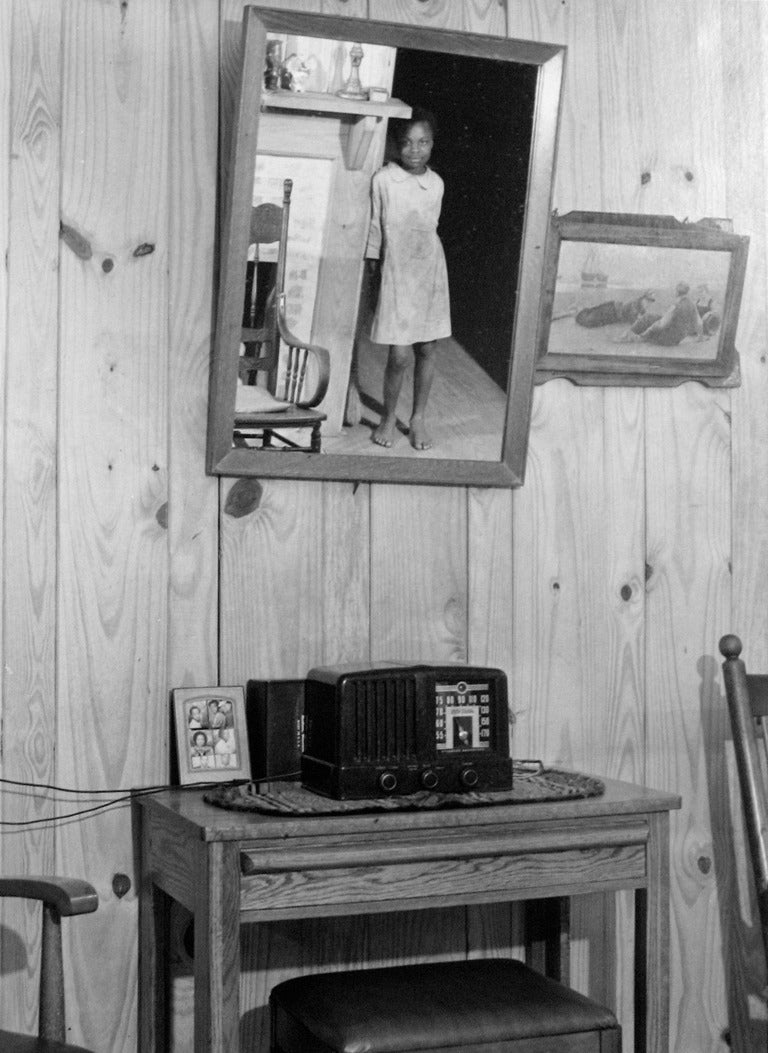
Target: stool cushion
[(11, 1042), (464, 1005)]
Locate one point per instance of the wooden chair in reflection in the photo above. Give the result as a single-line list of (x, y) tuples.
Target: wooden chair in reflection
[(283, 378), (747, 696), (60, 897)]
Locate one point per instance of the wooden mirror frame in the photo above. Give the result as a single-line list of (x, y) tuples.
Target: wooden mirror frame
[(225, 459)]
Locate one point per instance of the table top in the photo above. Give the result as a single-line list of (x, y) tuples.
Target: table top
[(185, 807)]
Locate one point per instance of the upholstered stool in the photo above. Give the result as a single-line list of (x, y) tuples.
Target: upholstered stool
[(494, 1005)]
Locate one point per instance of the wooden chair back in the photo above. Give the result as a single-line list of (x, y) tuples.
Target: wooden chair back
[(747, 696), (60, 897), (296, 373)]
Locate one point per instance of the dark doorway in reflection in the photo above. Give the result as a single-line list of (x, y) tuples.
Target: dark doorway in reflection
[(484, 110)]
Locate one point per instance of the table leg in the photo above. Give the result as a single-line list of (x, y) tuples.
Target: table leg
[(652, 944), (154, 944), (217, 949), (547, 946)]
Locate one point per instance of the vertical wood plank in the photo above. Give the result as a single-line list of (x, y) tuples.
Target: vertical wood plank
[(113, 571), (688, 600), (609, 921), (193, 498), (745, 90), (418, 573), (30, 92), (688, 517)]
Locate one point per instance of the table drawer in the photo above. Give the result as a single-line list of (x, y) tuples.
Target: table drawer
[(408, 885)]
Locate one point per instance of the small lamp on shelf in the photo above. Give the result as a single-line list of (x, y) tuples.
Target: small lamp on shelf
[(353, 89)]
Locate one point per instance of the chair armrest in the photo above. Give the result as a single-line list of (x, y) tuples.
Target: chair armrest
[(67, 895), (321, 355), (323, 359)]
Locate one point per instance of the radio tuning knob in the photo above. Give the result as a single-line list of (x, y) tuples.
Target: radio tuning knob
[(387, 781), (429, 779), (468, 777)]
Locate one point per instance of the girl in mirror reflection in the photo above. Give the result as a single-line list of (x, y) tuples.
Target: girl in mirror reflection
[(405, 257)]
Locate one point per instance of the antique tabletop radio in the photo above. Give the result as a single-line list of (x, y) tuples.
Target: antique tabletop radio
[(394, 729)]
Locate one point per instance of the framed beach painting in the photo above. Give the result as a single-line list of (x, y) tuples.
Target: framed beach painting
[(634, 299)]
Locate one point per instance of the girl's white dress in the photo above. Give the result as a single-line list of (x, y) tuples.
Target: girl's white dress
[(413, 304)]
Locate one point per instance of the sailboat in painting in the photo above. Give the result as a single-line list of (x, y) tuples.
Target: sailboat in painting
[(592, 277)]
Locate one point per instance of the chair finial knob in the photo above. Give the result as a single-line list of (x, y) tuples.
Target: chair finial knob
[(730, 646)]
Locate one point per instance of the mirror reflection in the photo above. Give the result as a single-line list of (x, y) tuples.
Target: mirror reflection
[(400, 261), (383, 242)]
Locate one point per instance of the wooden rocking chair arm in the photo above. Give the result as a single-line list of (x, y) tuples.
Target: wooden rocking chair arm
[(322, 356), (66, 895)]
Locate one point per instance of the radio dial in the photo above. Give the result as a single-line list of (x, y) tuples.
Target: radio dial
[(468, 777), (388, 781), (429, 779)]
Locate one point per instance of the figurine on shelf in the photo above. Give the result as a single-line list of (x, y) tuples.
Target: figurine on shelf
[(353, 89), (295, 71), (274, 63)]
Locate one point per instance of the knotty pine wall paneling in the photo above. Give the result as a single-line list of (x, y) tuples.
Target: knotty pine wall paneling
[(112, 601), (114, 587), (31, 71)]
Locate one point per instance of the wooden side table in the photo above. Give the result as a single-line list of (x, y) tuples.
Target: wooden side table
[(230, 867)]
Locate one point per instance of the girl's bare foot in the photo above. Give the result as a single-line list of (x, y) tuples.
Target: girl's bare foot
[(417, 432), (384, 435)]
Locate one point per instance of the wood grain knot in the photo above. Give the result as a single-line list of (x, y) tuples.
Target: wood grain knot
[(75, 241), (704, 864), (145, 249), (244, 498), (107, 265), (121, 884), (626, 593), (645, 178), (161, 515)]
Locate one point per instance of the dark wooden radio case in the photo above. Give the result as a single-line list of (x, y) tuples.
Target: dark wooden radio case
[(395, 729)]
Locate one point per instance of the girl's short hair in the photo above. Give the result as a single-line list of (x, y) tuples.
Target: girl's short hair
[(419, 115)]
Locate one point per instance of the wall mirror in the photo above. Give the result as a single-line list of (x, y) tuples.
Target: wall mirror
[(297, 384)]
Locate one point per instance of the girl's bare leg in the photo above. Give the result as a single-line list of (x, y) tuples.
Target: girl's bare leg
[(384, 435), (424, 372)]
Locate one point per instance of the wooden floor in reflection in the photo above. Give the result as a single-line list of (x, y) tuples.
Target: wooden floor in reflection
[(465, 414)]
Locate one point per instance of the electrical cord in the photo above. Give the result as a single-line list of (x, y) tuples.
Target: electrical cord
[(122, 797)]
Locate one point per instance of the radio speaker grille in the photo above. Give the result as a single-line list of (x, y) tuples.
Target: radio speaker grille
[(385, 719)]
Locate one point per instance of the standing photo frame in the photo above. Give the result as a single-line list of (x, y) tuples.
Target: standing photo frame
[(641, 300), (211, 734)]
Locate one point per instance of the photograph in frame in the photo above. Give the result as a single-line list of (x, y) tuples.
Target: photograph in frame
[(211, 734)]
